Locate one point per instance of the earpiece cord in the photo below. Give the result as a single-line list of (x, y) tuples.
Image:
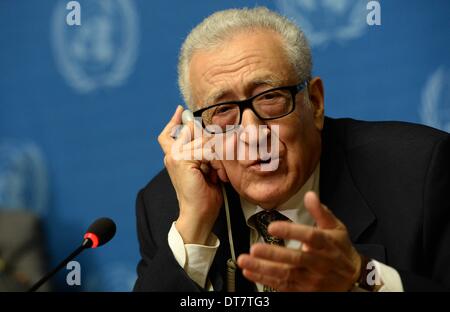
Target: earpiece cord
[(231, 263), (227, 212)]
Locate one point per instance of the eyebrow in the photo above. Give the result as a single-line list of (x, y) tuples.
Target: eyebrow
[(268, 80)]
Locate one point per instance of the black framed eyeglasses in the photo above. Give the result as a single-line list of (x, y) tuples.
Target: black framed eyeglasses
[(268, 105)]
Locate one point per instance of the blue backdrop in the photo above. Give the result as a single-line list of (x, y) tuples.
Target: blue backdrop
[(85, 103)]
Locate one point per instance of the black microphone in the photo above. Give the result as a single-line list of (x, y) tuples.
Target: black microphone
[(99, 233)]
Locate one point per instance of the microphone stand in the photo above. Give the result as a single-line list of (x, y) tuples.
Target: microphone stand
[(87, 243)]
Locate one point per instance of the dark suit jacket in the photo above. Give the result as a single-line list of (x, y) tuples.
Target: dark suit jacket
[(387, 182)]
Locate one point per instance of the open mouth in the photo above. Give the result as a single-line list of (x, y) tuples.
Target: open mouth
[(259, 162), (265, 161), (264, 165)]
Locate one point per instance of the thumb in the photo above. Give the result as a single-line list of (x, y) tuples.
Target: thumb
[(322, 215)]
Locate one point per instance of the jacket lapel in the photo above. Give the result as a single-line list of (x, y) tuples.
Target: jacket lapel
[(337, 188)]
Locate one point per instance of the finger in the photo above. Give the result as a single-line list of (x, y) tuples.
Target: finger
[(313, 237), (264, 267), (300, 282), (315, 262), (165, 139), (322, 215), (175, 120), (217, 165), (276, 253), (255, 277), (186, 134), (184, 145), (201, 156), (197, 143)]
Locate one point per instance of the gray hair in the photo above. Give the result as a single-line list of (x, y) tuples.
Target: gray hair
[(220, 26)]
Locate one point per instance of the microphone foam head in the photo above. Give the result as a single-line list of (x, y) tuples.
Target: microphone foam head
[(101, 231)]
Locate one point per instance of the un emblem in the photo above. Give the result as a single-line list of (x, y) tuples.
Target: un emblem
[(324, 21), (101, 52), (23, 176), (435, 108)]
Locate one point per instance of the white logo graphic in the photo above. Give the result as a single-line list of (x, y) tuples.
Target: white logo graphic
[(374, 15), (372, 278), (74, 16), (324, 21), (435, 109), (101, 52), (74, 276)]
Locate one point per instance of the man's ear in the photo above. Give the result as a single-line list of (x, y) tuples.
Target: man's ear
[(316, 98)]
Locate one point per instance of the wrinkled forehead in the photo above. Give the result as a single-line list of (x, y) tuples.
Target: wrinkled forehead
[(239, 66)]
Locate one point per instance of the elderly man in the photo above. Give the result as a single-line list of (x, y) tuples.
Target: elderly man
[(382, 221)]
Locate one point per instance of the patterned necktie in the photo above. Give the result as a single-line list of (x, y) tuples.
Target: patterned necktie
[(262, 221)]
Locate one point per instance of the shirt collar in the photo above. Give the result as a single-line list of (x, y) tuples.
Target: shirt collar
[(294, 207)]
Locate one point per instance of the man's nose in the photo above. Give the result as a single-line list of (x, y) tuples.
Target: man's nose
[(252, 133), (250, 118)]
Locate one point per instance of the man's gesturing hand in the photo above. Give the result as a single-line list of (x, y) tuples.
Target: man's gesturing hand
[(195, 181), (327, 260)]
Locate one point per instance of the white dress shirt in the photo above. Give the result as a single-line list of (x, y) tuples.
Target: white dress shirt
[(196, 260)]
